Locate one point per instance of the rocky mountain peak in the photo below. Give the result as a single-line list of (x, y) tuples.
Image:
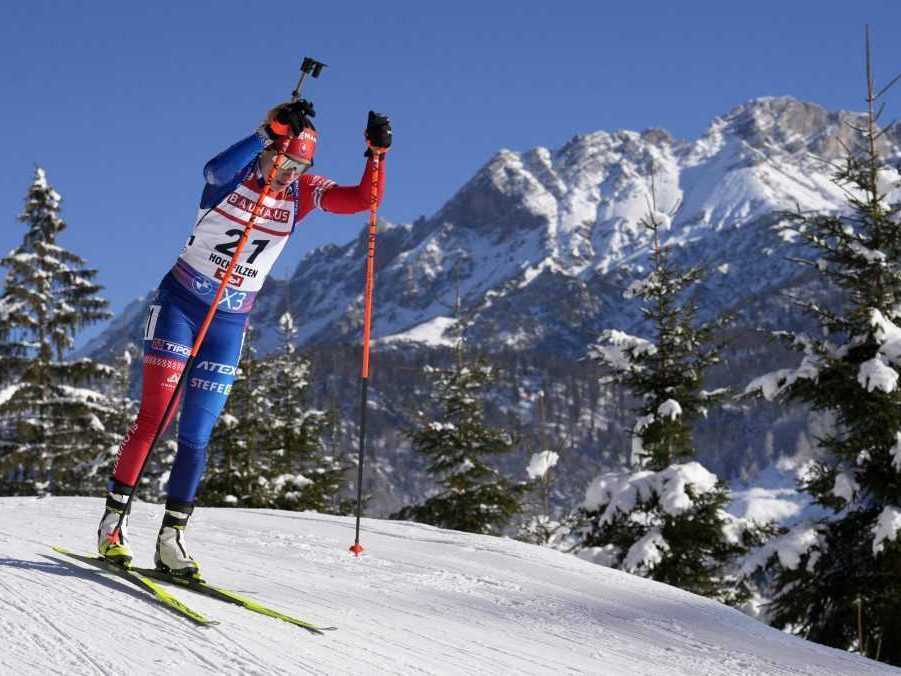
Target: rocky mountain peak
[(539, 244)]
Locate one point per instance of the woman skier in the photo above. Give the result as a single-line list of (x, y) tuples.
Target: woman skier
[(234, 181)]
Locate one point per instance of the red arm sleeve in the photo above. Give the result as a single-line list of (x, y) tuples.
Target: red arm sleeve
[(341, 199)]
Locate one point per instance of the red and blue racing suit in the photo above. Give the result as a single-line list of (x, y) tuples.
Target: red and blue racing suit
[(233, 186)]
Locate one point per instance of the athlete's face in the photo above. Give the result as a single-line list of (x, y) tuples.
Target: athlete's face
[(285, 174)]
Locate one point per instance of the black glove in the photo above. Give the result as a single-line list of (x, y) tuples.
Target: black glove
[(378, 130), (295, 116)]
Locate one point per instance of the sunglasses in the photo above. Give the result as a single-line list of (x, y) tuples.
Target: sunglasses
[(290, 164)]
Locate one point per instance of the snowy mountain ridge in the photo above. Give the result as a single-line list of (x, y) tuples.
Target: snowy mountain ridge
[(539, 245), (539, 248), (420, 600)]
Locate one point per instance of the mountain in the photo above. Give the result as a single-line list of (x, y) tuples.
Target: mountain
[(540, 244), (535, 252), (419, 600)]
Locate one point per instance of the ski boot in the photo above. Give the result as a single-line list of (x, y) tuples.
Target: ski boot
[(171, 555), (115, 548)]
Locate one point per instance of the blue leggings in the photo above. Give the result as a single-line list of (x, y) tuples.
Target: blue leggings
[(171, 328)]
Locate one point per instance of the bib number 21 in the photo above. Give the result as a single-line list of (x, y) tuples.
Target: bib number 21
[(228, 248)]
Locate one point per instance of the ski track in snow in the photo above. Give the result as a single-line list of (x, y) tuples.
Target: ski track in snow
[(419, 601)]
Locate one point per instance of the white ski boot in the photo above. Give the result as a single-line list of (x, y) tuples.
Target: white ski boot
[(115, 547), (171, 554)]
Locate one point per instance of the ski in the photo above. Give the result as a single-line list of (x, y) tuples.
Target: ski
[(203, 587), (132, 575)]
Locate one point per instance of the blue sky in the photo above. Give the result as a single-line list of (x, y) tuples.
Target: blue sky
[(123, 103)]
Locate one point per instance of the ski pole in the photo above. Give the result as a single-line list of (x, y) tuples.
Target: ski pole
[(309, 66), (357, 548)]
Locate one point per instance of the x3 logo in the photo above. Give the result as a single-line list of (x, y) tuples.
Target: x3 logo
[(233, 300)]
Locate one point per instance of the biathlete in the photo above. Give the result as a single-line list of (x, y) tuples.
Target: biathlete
[(234, 181)]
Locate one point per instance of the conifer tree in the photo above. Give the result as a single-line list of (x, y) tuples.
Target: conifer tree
[(306, 477), (665, 519), (836, 580), (539, 525), (474, 496), (267, 447), (119, 390), (55, 421)]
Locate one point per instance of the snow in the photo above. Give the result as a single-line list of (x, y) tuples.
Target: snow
[(640, 286), (463, 466), (772, 385), (95, 424), (540, 463), (887, 527), (437, 426), (676, 478), (9, 392), (81, 394), (669, 409), (876, 374), (772, 496), (789, 548), (8, 306), (870, 255), (620, 492), (40, 178), (641, 424), (295, 480), (431, 333), (895, 452), (617, 349), (763, 504), (886, 180), (845, 486), (646, 552), (419, 600), (228, 420), (662, 220), (286, 322), (887, 334)]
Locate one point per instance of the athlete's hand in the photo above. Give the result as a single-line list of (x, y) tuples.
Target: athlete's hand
[(289, 119), (378, 130)]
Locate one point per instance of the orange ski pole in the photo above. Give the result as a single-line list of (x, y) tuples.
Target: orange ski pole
[(357, 548)]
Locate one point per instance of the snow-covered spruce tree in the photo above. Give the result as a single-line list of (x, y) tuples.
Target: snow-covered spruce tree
[(122, 412), (125, 408), (665, 519), (837, 581), (267, 448), (474, 496), (54, 419), (305, 476), (538, 524)]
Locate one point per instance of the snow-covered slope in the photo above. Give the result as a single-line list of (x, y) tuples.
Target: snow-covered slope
[(421, 600)]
